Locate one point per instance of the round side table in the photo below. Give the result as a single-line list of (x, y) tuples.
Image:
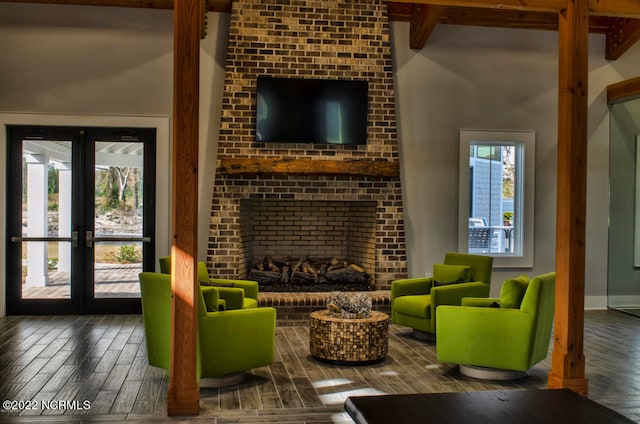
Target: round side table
[(359, 341)]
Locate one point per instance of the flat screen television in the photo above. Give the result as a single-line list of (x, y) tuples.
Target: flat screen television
[(296, 110)]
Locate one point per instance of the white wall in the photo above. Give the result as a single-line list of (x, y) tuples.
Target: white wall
[(488, 78), (110, 61), (96, 64)]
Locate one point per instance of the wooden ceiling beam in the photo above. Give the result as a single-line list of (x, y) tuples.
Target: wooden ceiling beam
[(423, 21), (211, 5), (614, 8), (622, 34), (470, 16), (501, 18), (550, 6)]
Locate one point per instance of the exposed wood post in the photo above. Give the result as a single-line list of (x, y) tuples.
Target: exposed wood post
[(568, 362), (184, 393)]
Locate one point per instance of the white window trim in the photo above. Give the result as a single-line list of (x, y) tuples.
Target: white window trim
[(525, 201)]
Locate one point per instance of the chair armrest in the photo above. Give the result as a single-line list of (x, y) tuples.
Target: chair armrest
[(211, 297), (481, 302), (234, 297), (250, 287), (452, 294), (495, 336), (410, 286)]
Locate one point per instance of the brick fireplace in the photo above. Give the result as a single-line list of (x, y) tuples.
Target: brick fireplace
[(296, 198)]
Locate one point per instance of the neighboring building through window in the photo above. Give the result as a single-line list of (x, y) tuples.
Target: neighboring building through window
[(496, 195)]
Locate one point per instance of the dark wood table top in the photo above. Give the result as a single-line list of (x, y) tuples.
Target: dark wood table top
[(490, 407)]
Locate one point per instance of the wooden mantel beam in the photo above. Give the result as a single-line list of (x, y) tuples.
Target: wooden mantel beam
[(568, 361), (290, 166)]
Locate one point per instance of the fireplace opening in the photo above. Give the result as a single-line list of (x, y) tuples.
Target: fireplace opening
[(308, 245)]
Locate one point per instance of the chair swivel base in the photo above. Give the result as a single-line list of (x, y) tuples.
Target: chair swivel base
[(223, 381), (484, 373), (423, 335)]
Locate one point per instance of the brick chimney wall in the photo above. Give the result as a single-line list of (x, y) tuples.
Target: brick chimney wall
[(306, 39)]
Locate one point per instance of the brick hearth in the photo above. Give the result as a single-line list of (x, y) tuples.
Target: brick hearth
[(340, 39), (294, 308)]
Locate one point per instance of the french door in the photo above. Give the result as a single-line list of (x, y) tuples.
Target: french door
[(80, 218)]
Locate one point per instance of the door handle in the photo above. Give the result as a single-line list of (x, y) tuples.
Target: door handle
[(90, 239), (74, 239), (41, 239)]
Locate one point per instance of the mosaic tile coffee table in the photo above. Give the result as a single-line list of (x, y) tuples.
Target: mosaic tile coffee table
[(359, 341)]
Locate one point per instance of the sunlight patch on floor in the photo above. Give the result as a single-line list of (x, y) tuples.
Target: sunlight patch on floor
[(341, 397), (331, 383)]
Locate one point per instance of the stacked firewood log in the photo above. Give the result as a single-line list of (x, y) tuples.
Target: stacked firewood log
[(305, 271)]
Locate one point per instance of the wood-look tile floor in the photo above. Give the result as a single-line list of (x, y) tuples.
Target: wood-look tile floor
[(54, 361)]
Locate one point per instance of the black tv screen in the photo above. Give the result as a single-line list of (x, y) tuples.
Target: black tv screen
[(295, 110)]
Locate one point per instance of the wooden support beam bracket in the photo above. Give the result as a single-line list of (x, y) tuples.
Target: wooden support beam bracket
[(621, 37), (423, 21), (624, 90)]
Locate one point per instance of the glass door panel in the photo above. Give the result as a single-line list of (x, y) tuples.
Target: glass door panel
[(118, 226), (46, 219)]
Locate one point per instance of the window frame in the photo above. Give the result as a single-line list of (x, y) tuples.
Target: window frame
[(524, 191)]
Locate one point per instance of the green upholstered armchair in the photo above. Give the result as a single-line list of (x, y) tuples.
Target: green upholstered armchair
[(234, 294), (231, 341), (513, 335), (414, 301)]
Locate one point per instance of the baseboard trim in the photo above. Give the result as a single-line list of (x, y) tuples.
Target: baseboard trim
[(595, 302), (628, 302)]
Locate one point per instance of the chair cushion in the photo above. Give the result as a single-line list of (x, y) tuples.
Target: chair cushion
[(248, 303), (415, 305), (450, 274), (512, 292)]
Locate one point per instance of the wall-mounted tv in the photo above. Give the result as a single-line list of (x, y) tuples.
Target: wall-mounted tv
[(296, 110)]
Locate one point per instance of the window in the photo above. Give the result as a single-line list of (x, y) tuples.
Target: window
[(495, 218)]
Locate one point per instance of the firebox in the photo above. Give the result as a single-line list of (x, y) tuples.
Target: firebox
[(307, 245)]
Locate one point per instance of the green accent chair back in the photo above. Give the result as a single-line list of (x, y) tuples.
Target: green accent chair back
[(228, 341), (414, 301), (497, 337), (234, 294)]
